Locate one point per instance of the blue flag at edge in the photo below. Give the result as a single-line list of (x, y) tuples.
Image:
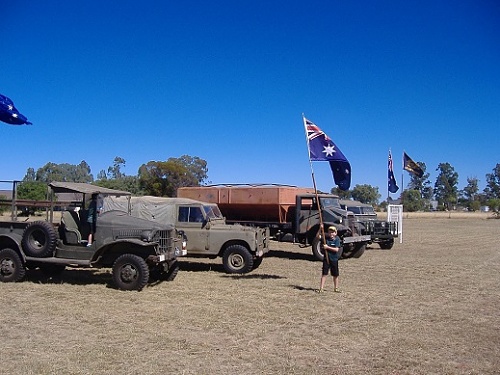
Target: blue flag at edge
[(392, 186), (9, 113), (322, 148)]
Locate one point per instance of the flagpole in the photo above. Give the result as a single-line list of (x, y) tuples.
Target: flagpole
[(388, 196), (321, 226), (402, 178)]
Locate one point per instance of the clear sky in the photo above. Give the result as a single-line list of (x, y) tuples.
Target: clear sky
[(228, 81)]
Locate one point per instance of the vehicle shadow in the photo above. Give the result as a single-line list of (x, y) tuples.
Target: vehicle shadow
[(70, 276), (290, 255), (250, 276), (194, 266)]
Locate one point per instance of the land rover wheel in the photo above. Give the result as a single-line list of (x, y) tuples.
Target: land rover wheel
[(39, 239), (387, 245), (11, 266), (130, 272), (257, 262), (237, 259)]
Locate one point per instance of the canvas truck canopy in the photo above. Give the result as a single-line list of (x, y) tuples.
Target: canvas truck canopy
[(83, 188), (156, 208)]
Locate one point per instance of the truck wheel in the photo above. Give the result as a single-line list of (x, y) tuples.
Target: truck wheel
[(130, 272), (11, 266), (39, 239), (359, 249), (172, 272), (257, 262), (317, 251), (387, 245), (237, 259)]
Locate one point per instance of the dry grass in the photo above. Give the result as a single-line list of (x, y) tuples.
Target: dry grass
[(428, 306)]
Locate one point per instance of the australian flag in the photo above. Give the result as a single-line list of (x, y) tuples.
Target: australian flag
[(9, 113), (393, 187), (322, 148), (412, 167)]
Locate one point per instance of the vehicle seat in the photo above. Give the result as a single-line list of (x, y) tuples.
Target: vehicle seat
[(70, 225)]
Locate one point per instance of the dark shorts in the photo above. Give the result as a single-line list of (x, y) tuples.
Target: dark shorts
[(92, 227), (333, 267)]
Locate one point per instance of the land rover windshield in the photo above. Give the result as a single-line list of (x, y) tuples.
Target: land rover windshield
[(212, 212)]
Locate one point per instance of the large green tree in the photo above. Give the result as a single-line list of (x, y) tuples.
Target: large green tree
[(163, 178), (492, 189), (32, 190), (469, 195), (413, 201), (366, 193), (115, 171), (445, 188), (64, 172)]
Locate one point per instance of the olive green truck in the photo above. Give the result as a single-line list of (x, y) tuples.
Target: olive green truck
[(138, 251)]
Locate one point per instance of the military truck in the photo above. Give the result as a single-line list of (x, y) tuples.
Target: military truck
[(380, 231), (241, 247), (286, 211), (137, 250)]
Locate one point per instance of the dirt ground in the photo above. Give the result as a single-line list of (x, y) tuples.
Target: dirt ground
[(428, 306)]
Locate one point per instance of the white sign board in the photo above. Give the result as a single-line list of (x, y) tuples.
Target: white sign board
[(395, 214)]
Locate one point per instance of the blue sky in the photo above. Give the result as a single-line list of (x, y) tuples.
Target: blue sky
[(228, 81)]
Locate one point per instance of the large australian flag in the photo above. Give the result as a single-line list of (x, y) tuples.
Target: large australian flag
[(322, 148), (10, 114)]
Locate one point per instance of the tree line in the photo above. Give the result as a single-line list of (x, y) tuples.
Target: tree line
[(163, 178), (157, 178), (420, 192)]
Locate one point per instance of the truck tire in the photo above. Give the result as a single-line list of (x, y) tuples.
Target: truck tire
[(39, 239), (317, 251), (257, 262), (172, 272), (387, 245), (237, 259), (11, 266), (130, 272), (359, 249)]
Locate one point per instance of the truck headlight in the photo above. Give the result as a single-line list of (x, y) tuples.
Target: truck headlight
[(147, 236)]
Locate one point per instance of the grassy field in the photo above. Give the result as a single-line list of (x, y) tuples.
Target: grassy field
[(428, 306)]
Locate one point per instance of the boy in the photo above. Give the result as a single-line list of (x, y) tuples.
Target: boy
[(331, 260)]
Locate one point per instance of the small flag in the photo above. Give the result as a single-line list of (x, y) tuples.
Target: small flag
[(322, 148), (10, 114), (412, 167), (393, 187)]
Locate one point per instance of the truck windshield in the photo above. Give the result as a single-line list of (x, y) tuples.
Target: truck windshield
[(329, 202), (213, 212), (368, 210)]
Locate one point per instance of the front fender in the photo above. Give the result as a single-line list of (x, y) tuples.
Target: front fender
[(125, 245)]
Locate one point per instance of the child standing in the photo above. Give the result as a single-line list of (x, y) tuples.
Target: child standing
[(331, 260)]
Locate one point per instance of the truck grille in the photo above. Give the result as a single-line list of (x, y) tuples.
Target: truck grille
[(162, 237), (165, 241)]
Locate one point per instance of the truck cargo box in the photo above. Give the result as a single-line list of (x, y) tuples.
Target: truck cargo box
[(249, 203)]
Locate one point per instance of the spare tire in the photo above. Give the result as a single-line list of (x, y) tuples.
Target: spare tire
[(39, 239)]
